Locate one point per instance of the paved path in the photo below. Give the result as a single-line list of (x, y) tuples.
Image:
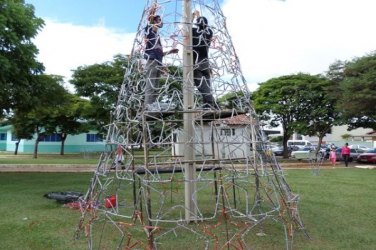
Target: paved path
[(78, 168), (47, 168)]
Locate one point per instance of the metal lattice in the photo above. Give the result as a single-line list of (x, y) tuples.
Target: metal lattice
[(178, 172)]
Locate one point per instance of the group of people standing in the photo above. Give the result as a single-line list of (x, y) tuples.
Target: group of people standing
[(345, 153), (201, 40)]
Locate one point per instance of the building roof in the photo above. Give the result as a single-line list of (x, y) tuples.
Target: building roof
[(6, 128), (235, 120)]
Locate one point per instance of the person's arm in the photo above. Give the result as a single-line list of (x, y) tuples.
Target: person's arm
[(195, 14), (152, 11), (171, 51), (209, 37)]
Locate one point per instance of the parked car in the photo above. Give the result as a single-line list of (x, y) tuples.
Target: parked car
[(304, 154), (367, 157), (364, 148), (299, 143), (278, 151), (354, 152)]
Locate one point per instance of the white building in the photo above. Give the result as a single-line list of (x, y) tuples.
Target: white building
[(359, 136), (228, 138)]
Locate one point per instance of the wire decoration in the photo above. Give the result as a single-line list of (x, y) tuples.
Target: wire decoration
[(238, 191)]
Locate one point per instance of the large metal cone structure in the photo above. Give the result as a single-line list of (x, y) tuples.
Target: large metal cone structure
[(176, 173)]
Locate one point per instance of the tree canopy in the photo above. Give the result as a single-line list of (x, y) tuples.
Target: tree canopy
[(101, 84), (317, 112), (18, 64), (298, 102), (357, 87), (41, 118)]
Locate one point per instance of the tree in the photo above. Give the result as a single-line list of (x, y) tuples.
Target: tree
[(345, 136), (277, 139), (358, 88), (101, 84), (275, 102), (18, 26), (68, 117), (287, 100), (317, 113), (21, 132), (40, 119), (231, 100)]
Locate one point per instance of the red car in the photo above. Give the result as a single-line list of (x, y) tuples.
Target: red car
[(367, 157)]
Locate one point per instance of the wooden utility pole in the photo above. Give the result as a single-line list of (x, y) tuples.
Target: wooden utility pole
[(188, 88)]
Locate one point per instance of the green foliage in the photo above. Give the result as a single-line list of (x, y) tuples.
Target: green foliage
[(231, 100), (317, 109), (277, 139), (298, 102), (18, 26), (68, 118), (345, 136), (101, 84), (358, 89), (42, 117)]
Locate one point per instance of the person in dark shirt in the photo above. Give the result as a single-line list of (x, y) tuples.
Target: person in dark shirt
[(154, 56), (201, 38)]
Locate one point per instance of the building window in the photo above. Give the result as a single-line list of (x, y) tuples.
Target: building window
[(93, 137), (51, 138), (3, 136), (14, 137), (228, 131)]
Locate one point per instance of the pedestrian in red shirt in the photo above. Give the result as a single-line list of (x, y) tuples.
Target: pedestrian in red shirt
[(345, 152)]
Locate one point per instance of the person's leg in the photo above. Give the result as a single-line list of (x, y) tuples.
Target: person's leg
[(152, 82), (346, 158), (202, 82)]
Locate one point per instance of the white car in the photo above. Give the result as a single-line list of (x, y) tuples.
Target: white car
[(304, 154)]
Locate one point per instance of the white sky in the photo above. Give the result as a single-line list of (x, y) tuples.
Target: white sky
[(64, 47), (271, 37)]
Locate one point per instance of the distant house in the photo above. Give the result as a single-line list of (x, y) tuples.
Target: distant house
[(360, 136), (85, 142), (368, 136)]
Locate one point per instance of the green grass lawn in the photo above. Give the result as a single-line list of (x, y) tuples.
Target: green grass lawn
[(89, 158), (337, 207)]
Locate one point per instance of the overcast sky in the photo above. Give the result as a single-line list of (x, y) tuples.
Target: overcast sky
[(271, 37)]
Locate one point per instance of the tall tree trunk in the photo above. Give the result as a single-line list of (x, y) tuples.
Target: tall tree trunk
[(36, 149), (39, 138), (16, 149), (63, 138), (286, 137), (319, 144)]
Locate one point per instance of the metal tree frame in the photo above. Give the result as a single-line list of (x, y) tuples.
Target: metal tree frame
[(201, 174)]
